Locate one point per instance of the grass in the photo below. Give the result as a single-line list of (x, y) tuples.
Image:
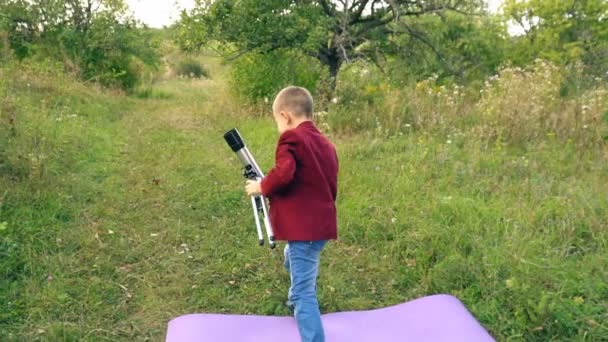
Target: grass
[(132, 213)]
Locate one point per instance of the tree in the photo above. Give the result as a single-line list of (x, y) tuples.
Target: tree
[(331, 31), (452, 46), (564, 32)]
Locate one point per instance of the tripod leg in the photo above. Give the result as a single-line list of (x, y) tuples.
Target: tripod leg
[(257, 221), (267, 224)]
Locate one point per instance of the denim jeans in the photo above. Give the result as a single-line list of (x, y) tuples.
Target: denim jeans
[(302, 263)]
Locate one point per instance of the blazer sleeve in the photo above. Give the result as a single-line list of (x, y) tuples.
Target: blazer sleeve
[(334, 190), (282, 174)]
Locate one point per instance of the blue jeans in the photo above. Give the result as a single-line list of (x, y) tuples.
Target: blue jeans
[(302, 263)]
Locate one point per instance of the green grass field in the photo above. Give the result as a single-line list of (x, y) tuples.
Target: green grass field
[(118, 213)]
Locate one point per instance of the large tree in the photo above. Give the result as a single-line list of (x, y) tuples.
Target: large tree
[(332, 31), (564, 32)]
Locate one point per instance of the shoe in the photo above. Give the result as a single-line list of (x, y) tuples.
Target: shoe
[(290, 305)]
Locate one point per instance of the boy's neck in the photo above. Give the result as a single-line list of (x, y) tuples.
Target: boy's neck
[(298, 122)]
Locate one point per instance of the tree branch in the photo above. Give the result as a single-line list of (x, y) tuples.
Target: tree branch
[(419, 36), (240, 53), (328, 10), (375, 23), (357, 14)]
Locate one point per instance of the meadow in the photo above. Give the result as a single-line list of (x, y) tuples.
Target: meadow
[(119, 212)]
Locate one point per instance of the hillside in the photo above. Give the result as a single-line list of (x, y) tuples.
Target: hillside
[(122, 212)]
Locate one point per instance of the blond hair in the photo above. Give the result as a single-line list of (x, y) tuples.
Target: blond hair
[(296, 100)]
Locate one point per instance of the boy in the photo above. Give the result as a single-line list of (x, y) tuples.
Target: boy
[(302, 190)]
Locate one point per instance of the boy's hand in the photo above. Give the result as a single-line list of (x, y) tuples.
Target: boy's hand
[(253, 188)]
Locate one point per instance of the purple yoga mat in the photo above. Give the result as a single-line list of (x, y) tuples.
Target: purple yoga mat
[(434, 318)]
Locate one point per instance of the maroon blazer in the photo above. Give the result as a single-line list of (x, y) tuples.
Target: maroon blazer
[(302, 186)]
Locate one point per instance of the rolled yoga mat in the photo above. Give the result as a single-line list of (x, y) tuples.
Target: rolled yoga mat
[(434, 319)]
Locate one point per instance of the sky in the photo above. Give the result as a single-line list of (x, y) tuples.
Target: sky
[(159, 13)]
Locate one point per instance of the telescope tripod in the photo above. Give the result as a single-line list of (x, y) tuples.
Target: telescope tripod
[(252, 172)]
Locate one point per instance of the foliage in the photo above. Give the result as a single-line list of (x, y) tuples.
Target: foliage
[(563, 32), (519, 107), (95, 39), (326, 30), (453, 46), (525, 105), (256, 78), (190, 67)]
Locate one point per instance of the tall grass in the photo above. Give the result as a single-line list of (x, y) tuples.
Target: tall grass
[(517, 106)]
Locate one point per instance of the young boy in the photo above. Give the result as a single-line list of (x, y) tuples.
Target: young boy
[(302, 189)]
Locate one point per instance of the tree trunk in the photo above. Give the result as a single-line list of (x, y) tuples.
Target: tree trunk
[(331, 59)]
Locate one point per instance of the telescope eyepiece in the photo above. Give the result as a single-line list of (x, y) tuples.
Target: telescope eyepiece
[(234, 140)]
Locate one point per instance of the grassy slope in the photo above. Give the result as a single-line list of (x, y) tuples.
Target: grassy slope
[(140, 217)]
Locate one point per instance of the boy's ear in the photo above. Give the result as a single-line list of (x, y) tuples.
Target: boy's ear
[(285, 115)]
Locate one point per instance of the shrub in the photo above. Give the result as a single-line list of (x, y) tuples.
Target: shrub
[(256, 78), (106, 46), (190, 67)]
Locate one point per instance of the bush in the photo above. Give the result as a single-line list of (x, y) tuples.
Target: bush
[(256, 78), (115, 60), (107, 46), (190, 67)]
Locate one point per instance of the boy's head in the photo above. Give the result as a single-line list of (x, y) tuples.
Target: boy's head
[(292, 106)]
